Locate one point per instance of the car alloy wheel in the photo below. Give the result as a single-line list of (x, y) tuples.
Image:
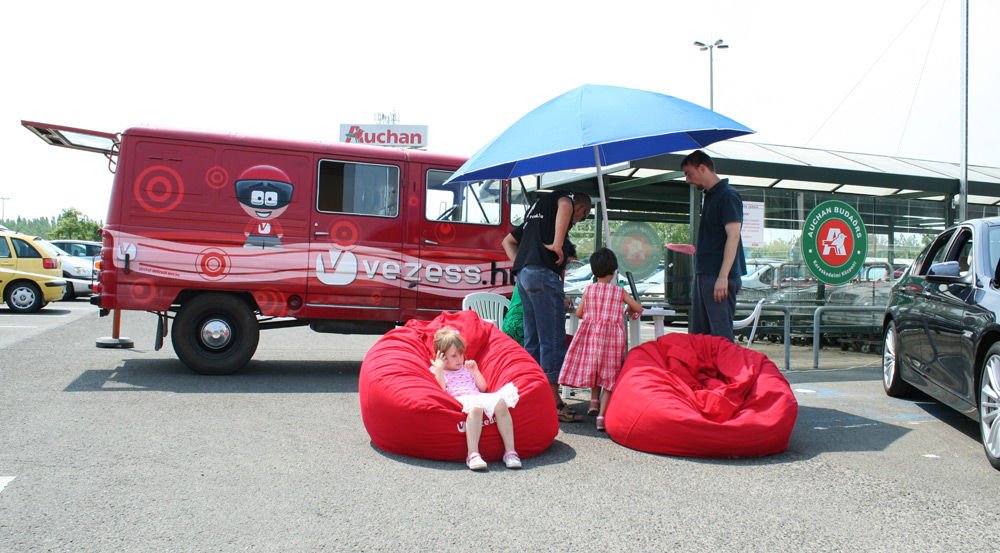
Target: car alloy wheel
[(892, 381), (989, 406), (889, 356)]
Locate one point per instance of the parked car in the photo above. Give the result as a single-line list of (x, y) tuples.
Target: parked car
[(78, 271), (79, 248), (30, 276), (653, 286), (869, 289), (941, 333)]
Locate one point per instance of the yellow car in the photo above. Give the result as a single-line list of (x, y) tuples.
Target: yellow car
[(30, 275)]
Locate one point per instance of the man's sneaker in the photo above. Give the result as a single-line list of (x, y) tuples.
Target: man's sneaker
[(511, 460), (475, 462)]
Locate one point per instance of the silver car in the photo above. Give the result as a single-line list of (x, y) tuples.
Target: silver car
[(79, 272)]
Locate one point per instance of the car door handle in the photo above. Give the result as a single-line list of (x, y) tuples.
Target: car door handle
[(431, 242), (321, 233)]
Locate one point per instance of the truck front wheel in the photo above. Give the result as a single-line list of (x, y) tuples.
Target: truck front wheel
[(215, 334)]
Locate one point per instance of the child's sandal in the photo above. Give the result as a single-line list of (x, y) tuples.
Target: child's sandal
[(567, 414), (511, 460), (475, 462), (595, 407), (600, 423)]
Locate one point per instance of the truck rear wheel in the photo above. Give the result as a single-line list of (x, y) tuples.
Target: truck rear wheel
[(215, 334)]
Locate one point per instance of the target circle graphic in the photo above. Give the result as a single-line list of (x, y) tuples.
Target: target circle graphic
[(142, 290), (445, 233), (216, 177), (213, 264), (413, 201), (159, 189), (271, 302), (344, 233)]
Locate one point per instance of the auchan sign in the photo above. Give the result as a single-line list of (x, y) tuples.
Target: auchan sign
[(403, 136)]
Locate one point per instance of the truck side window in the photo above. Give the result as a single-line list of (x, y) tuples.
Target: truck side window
[(476, 202), (358, 188), (519, 201)]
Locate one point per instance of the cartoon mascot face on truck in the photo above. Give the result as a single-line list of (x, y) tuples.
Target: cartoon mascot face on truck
[(264, 192)]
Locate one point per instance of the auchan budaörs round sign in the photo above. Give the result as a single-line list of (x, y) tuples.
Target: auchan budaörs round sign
[(834, 242)]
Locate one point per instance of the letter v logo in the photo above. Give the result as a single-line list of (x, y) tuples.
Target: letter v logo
[(343, 268)]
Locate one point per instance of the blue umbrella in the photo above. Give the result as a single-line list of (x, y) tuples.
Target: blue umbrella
[(595, 125)]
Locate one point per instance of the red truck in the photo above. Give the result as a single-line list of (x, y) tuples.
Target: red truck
[(227, 235)]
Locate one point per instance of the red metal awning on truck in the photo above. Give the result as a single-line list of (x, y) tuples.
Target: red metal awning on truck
[(76, 139)]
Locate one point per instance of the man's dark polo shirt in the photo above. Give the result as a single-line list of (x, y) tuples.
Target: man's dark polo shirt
[(722, 205)]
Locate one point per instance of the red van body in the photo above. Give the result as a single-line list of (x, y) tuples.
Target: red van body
[(227, 234)]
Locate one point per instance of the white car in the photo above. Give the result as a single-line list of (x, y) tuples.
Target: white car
[(78, 271), (652, 285)]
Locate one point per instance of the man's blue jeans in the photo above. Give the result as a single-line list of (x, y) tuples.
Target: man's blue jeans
[(542, 298)]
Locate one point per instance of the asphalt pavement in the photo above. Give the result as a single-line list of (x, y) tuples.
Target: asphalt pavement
[(127, 450)]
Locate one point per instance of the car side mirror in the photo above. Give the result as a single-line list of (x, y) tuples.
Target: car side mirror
[(945, 271)]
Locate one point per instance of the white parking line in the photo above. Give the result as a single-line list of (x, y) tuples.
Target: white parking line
[(4, 480)]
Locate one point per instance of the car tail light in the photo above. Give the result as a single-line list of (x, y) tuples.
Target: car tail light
[(50, 263), (97, 264)]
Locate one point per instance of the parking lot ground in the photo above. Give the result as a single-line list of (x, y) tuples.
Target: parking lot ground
[(127, 450)]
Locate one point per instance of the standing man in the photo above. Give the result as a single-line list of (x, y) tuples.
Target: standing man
[(719, 261), (539, 249)]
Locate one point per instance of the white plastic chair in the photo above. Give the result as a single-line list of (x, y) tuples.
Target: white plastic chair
[(754, 318), (489, 306)]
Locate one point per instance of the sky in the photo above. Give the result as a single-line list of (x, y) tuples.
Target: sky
[(871, 76)]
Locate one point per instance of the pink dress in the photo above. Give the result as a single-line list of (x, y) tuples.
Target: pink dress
[(596, 354), (462, 386)]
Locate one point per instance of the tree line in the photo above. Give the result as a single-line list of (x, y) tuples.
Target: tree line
[(70, 224)]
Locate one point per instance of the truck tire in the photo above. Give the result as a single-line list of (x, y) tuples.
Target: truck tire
[(215, 334)]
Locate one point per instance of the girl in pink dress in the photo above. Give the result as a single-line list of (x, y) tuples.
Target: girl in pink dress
[(596, 354), (463, 380)]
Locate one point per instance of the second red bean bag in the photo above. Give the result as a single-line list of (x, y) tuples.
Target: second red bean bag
[(406, 412), (696, 395)]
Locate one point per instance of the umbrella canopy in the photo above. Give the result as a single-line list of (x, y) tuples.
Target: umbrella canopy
[(595, 125)]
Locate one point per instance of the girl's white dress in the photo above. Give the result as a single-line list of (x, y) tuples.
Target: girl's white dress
[(462, 386)]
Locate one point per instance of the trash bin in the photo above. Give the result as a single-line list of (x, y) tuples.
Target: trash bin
[(679, 275)]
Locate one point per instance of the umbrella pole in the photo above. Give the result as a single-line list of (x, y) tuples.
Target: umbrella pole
[(604, 203)]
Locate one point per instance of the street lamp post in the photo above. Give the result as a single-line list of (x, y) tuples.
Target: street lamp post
[(3, 208), (711, 67)]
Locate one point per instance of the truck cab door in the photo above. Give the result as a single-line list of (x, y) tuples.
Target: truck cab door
[(460, 235), (356, 237)]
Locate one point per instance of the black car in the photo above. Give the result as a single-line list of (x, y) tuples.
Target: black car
[(942, 333)]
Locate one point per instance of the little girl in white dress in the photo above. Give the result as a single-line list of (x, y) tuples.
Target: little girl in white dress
[(463, 380)]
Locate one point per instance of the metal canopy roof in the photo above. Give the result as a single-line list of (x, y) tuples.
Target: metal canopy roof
[(653, 189), (832, 171)]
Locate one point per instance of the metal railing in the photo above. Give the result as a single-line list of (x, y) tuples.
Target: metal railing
[(818, 316)]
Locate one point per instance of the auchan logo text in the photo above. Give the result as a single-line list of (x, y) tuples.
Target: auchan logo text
[(407, 136)]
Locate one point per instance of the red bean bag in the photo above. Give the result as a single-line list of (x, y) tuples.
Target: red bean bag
[(696, 395), (406, 412)]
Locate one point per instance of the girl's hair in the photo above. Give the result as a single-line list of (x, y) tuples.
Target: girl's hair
[(603, 262), (446, 337)]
